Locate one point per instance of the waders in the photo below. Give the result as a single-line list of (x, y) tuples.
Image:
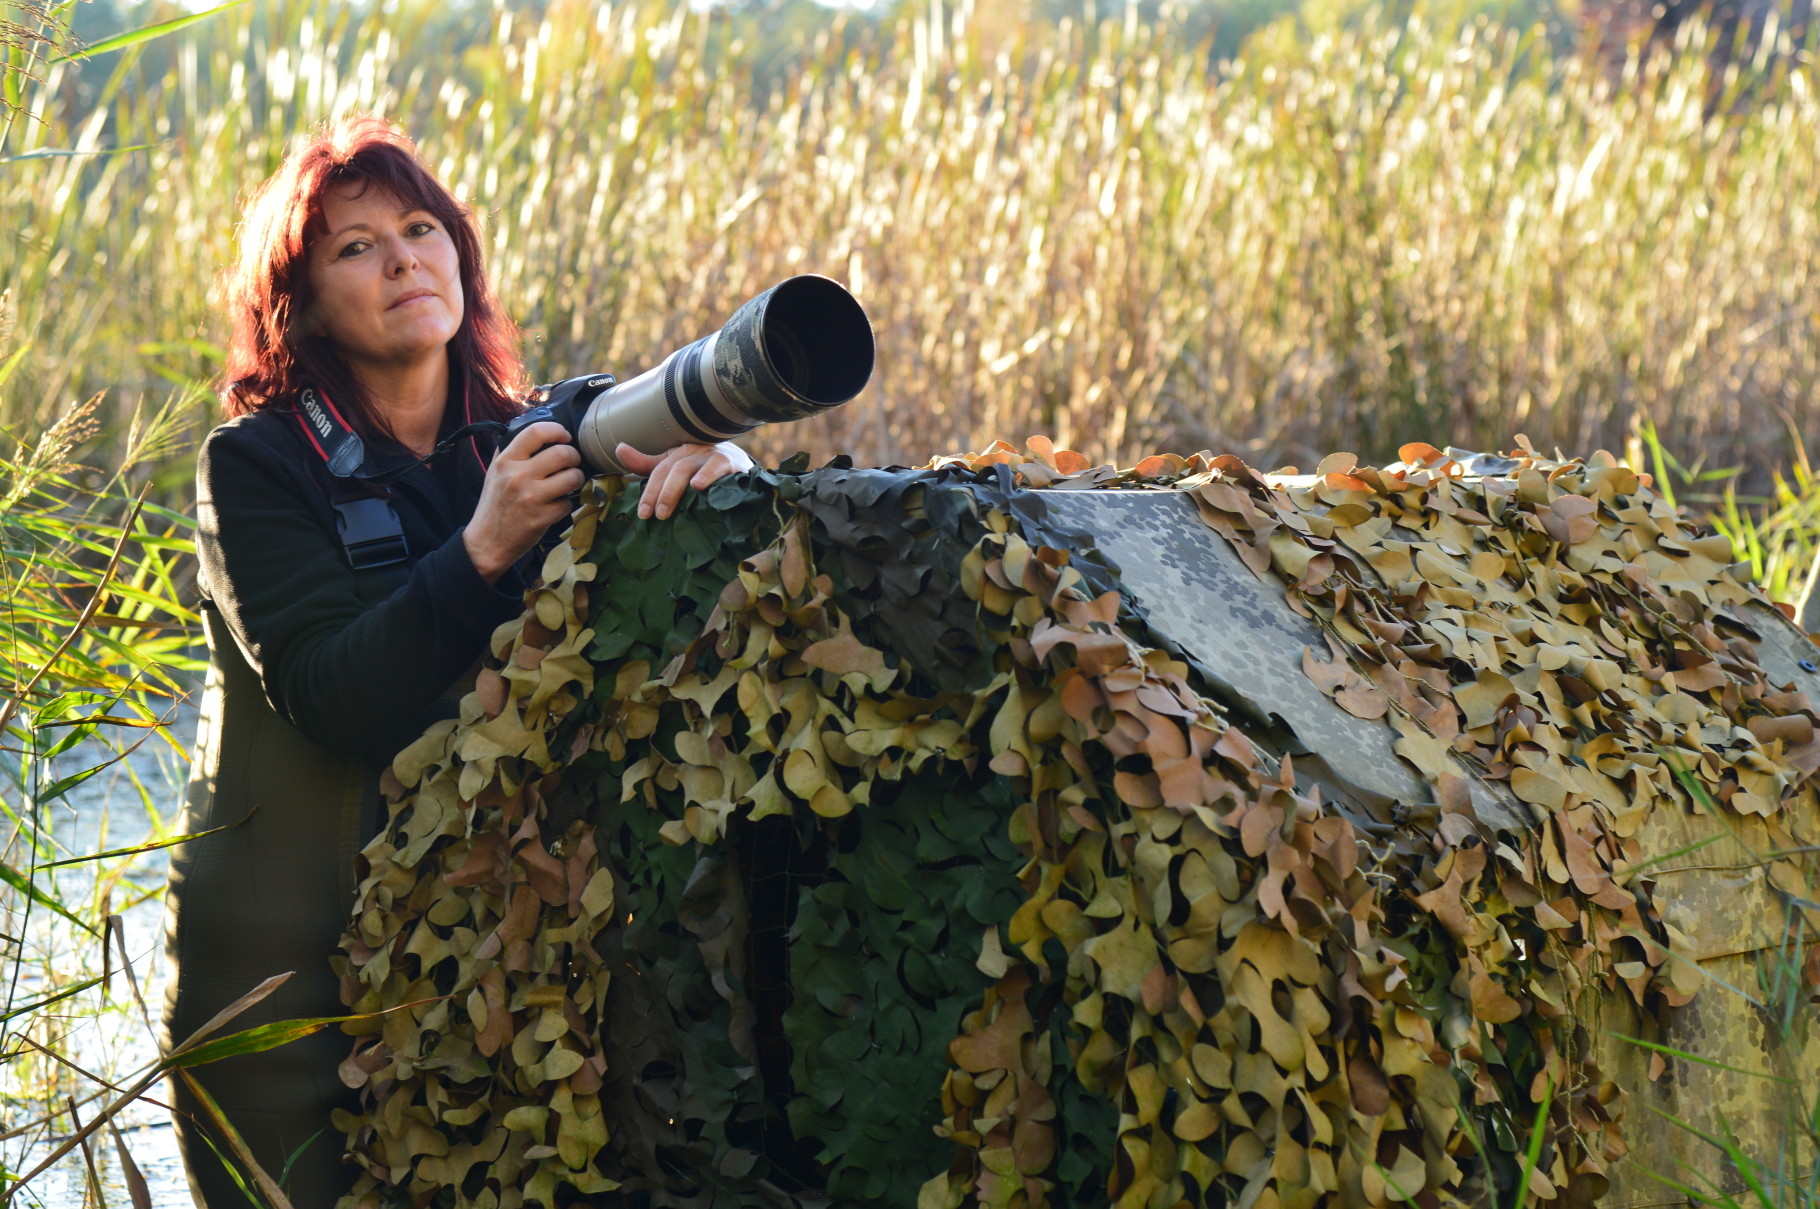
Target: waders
[(269, 894)]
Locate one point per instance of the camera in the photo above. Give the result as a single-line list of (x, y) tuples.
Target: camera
[(802, 347)]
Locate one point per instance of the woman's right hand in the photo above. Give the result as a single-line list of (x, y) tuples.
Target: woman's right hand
[(527, 490)]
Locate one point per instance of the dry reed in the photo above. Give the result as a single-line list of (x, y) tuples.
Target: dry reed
[(1343, 240)]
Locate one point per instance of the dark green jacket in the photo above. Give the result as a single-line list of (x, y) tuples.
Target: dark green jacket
[(318, 675)]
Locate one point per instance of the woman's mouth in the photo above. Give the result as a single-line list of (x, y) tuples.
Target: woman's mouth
[(413, 296)]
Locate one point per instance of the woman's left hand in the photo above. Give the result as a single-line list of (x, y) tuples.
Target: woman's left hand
[(685, 466)]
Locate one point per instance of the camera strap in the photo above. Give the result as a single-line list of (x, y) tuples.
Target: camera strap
[(371, 534)]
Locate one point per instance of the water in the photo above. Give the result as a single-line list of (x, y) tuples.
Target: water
[(106, 812), (153, 1146)]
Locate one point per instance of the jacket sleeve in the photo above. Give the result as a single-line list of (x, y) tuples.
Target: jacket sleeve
[(356, 677)]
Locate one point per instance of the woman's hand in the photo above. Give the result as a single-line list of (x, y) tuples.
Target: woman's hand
[(685, 466), (527, 490)]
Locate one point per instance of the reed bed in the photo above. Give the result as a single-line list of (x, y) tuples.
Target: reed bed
[(1345, 239), (95, 654)]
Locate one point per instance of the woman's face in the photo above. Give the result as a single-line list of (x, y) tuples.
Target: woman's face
[(387, 280)]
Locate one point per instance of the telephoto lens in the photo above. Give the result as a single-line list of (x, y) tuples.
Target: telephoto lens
[(802, 347)]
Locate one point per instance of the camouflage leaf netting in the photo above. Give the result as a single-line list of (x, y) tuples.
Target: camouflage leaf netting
[(851, 839)]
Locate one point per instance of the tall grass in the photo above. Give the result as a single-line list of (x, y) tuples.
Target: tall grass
[(93, 646), (1348, 238), (95, 641)]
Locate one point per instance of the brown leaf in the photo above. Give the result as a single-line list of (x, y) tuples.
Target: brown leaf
[(1260, 822), (1701, 678), (844, 653), (1538, 788), (1096, 654), (1327, 675), (1363, 701), (1490, 1002), (1137, 789), (1370, 1089), (484, 865), (1446, 905), (1156, 990), (1570, 520), (490, 689), (1793, 729), (1418, 453), (795, 563), (1588, 871)]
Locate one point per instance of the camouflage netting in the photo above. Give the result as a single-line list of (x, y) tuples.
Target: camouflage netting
[(852, 839)]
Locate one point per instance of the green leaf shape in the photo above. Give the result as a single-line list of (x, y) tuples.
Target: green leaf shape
[(883, 965), (138, 849), (26, 886), (49, 153), (263, 1037), (144, 34), (46, 1001)]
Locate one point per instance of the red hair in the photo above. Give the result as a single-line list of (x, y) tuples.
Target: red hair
[(269, 359)]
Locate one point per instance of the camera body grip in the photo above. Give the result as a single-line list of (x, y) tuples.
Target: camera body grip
[(565, 403)]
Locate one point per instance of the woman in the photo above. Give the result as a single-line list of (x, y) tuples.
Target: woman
[(347, 599)]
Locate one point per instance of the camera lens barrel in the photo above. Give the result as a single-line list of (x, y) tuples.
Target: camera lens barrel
[(800, 348)]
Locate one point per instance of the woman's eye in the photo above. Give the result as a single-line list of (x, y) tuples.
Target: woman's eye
[(419, 228), (353, 249)]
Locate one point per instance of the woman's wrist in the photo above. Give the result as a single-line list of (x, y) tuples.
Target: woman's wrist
[(486, 564)]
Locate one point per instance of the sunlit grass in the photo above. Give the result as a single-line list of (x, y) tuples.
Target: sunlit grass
[(94, 649), (1348, 239)]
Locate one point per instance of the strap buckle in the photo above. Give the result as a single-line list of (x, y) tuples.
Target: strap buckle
[(370, 533)]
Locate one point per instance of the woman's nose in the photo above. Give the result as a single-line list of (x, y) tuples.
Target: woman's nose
[(402, 259)]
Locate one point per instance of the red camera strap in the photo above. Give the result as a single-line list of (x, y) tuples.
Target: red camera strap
[(371, 533)]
